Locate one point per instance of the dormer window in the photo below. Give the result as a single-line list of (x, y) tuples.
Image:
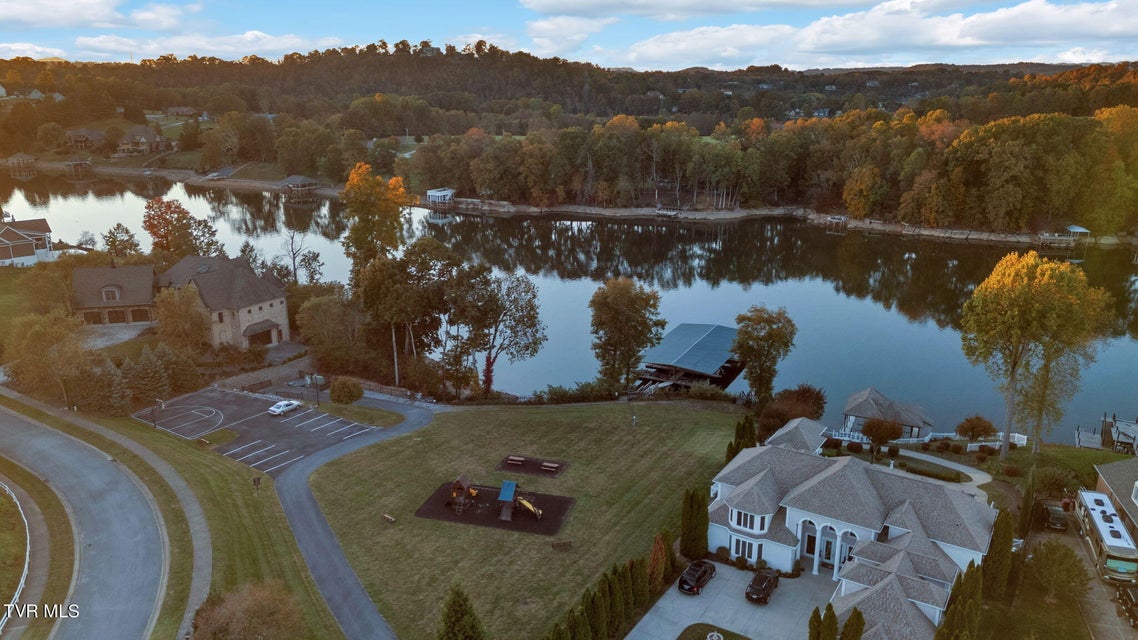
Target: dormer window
[(110, 294), (744, 520)]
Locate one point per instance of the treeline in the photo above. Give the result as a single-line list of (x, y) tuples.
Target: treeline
[(1015, 174)]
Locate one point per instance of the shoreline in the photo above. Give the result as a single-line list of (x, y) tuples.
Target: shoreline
[(498, 208)]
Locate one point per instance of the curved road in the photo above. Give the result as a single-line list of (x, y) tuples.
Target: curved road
[(119, 542), (342, 590)]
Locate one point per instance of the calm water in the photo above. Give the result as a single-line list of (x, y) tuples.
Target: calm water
[(871, 311)]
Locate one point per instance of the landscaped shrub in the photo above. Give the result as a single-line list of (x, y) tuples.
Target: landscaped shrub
[(987, 450), (1012, 446), (345, 391), (947, 476), (854, 447), (831, 443), (723, 554), (740, 562), (705, 391), (981, 458), (1011, 470), (926, 446), (894, 451), (943, 445), (957, 448)]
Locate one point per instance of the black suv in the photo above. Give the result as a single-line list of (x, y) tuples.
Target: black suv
[(696, 577), (1052, 516), (762, 586), (1128, 604)]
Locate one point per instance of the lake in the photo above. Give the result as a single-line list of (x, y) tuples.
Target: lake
[(878, 311)]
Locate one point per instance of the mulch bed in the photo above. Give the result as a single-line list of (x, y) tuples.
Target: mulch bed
[(532, 466), (484, 512)]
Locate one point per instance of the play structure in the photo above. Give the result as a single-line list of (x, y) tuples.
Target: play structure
[(462, 494), (509, 498)]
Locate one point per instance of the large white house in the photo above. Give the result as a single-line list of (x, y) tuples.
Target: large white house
[(893, 541)]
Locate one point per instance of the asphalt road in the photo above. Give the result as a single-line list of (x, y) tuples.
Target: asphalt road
[(342, 590), (119, 544)]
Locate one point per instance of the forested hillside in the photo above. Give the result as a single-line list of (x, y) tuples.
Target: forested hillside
[(1000, 147)]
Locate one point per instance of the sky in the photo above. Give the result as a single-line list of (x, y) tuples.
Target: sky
[(641, 34)]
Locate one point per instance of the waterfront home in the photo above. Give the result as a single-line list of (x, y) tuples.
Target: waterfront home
[(870, 403), (25, 242)]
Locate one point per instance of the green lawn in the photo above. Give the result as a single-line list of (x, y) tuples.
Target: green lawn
[(628, 482), (362, 415), (11, 303), (182, 160), (60, 542), (251, 538), (177, 529), (13, 546), (700, 631), (1080, 462), (261, 171), (1033, 617)]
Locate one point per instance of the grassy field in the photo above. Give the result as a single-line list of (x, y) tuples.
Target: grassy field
[(13, 545), (251, 538), (1079, 462), (177, 529), (628, 482), (60, 542), (11, 302), (1033, 617), (362, 415)]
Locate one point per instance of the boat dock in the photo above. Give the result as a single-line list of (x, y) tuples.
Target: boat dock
[(1113, 434)]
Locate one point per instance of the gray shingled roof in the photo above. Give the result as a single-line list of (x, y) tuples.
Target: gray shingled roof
[(871, 403), (800, 434), (843, 493), (1120, 478), (719, 513), (700, 348), (759, 495), (889, 613), (135, 286), (223, 283)]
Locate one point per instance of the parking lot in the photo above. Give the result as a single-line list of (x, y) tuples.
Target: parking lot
[(264, 442)]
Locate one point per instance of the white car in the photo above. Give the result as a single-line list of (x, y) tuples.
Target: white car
[(283, 407)]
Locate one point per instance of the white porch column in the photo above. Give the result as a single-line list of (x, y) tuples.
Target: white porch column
[(817, 549), (841, 555)]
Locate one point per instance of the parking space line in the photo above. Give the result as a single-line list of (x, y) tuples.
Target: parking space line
[(298, 415), (256, 452), (275, 455), (326, 424), (283, 464), (323, 415), (352, 435), (332, 433), (229, 453), (255, 415)]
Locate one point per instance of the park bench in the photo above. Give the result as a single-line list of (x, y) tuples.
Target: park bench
[(550, 466), (515, 460), (388, 518), (562, 545)]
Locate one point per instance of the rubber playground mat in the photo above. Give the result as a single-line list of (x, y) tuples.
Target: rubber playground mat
[(484, 511)]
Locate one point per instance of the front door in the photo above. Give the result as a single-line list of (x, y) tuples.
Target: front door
[(828, 551), (811, 542)]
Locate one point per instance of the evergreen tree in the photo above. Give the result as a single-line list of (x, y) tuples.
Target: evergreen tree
[(148, 381), (815, 632), (673, 563), (688, 535), (854, 626), (641, 582), (702, 522), (624, 571), (181, 372), (999, 559), (829, 627), (459, 621), (618, 610), (732, 451), (579, 626), (559, 633), (599, 612), (115, 396), (1027, 505)]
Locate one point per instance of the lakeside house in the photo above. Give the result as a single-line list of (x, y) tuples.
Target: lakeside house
[(25, 242), (83, 138), (142, 140), (870, 404), (244, 309), (893, 542), (114, 294)]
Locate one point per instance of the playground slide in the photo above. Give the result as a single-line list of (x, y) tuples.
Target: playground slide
[(530, 507)]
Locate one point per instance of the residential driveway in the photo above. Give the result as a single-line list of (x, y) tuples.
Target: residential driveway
[(722, 605), (120, 564), (264, 442)]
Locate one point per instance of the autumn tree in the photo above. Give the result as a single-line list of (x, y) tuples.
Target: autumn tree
[(625, 322), (333, 328), (1028, 316), (762, 340), (880, 433), (119, 241), (43, 351), (181, 318), (509, 324), (176, 232), (975, 427), (252, 612), (459, 620), (375, 209)]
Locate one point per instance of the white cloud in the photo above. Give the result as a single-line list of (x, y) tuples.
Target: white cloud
[(673, 9), (560, 35), (1079, 55), (160, 17), (17, 49), (733, 45), (231, 46), (500, 40), (57, 13)]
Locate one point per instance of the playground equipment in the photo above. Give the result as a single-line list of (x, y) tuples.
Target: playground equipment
[(509, 499), (462, 494)]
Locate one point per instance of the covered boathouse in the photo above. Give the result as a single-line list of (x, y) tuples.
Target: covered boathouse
[(691, 354)]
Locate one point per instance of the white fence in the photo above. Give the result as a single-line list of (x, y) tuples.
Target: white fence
[(27, 557), (1019, 439)]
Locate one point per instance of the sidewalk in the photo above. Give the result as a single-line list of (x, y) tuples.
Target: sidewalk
[(972, 487)]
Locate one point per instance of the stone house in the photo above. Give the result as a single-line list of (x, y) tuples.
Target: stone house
[(113, 295), (244, 309)]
